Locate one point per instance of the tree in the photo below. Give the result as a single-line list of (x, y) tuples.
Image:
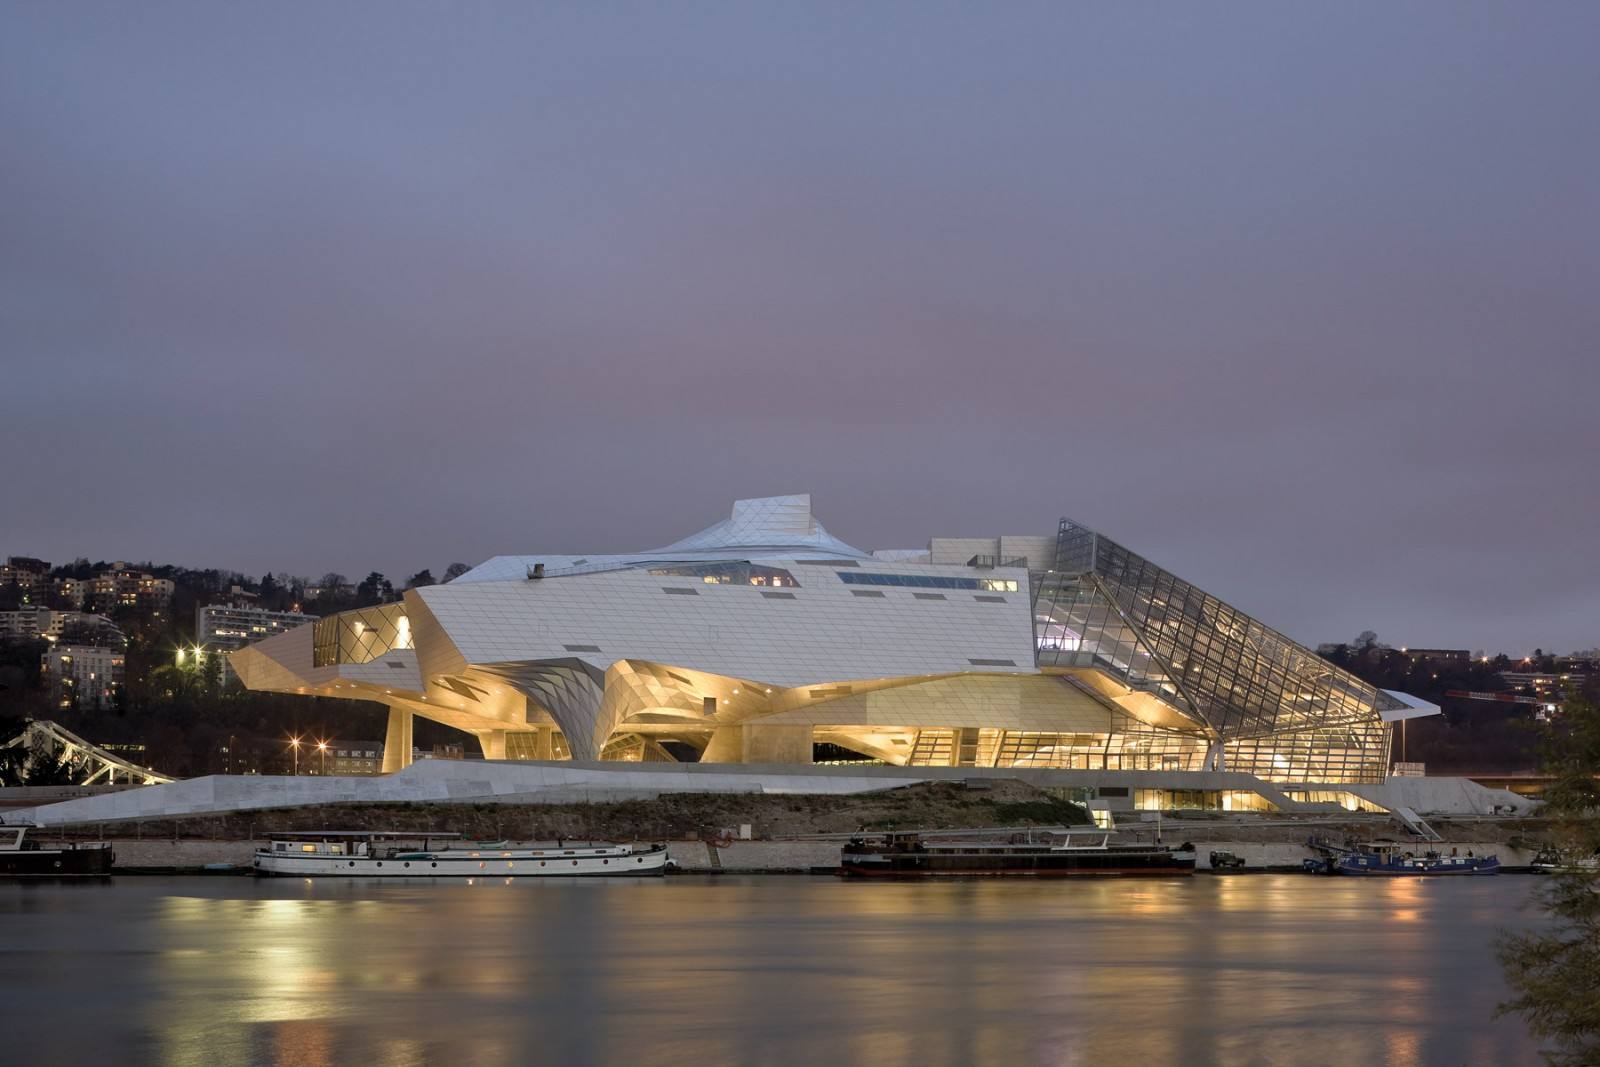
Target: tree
[(329, 593), (421, 578), (454, 571), (18, 766), (211, 673), (1554, 974), (371, 590)]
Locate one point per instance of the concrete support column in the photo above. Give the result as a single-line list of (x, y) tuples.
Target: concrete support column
[(1216, 759), (494, 744), (544, 743), (964, 747), (397, 741), (759, 744)]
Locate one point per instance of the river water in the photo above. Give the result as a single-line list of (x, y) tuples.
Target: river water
[(1268, 969)]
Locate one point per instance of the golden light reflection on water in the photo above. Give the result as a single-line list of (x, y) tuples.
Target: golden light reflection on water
[(789, 970)]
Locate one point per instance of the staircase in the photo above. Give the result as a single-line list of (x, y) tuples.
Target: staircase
[(1416, 824)]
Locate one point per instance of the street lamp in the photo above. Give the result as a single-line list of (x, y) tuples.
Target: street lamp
[(294, 743), (322, 748)]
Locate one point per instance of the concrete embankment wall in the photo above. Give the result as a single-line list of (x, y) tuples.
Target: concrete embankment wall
[(776, 856), (182, 855), (1268, 855), (740, 857)]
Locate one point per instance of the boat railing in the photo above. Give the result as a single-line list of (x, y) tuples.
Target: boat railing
[(1096, 843)]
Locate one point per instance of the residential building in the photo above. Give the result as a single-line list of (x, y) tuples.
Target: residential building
[(73, 593), (342, 758), (1462, 656), (342, 590), (227, 627), (1543, 684), (30, 576), (120, 586), (84, 627), (82, 676)]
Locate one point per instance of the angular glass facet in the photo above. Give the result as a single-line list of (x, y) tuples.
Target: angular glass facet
[(1279, 709)]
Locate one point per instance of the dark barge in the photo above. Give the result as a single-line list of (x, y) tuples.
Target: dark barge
[(21, 857), (1058, 856)]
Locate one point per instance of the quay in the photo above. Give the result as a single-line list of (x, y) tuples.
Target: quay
[(769, 819)]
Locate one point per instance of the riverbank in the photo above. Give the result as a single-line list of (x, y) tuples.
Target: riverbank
[(779, 833), (942, 805)]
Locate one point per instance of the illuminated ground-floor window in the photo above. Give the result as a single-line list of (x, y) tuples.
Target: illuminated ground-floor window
[(1200, 800), (1141, 750), (1357, 752), (1342, 797)]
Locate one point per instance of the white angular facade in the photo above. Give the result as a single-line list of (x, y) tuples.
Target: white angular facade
[(764, 636)]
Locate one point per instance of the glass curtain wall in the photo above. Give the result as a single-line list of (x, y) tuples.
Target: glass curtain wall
[(1131, 746), (1282, 711), (360, 636)]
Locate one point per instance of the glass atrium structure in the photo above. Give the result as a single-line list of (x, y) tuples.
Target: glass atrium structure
[(1275, 708)]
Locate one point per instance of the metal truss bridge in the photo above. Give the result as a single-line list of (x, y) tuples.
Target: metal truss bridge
[(91, 764)]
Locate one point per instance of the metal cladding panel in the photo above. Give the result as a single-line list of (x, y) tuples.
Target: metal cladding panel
[(1409, 707), (436, 653), (823, 632), (393, 670), (280, 663), (768, 522)]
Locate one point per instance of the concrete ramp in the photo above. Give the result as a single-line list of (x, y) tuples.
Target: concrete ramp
[(1445, 796), (449, 782), (1416, 824)]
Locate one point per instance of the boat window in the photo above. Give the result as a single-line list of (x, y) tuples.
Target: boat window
[(308, 848), (280, 847)]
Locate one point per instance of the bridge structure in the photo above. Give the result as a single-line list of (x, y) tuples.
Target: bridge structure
[(91, 764)]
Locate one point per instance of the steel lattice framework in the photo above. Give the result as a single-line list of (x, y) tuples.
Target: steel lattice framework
[(1239, 681), (95, 765)]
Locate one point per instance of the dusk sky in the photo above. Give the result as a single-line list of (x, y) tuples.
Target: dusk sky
[(1300, 301)]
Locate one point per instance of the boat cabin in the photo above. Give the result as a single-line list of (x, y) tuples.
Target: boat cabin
[(355, 843), (11, 838)]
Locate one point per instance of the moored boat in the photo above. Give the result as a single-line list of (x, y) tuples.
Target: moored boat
[(1390, 860), (25, 857), (367, 854), (1057, 856), (1555, 861)]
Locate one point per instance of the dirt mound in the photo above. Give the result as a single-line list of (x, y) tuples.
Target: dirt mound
[(925, 806)]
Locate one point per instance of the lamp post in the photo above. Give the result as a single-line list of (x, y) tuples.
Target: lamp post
[(322, 749), (294, 744)]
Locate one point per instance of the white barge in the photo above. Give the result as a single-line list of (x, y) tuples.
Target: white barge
[(368, 854)]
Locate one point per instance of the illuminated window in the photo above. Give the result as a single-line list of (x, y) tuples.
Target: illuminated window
[(734, 572), (931, 581)]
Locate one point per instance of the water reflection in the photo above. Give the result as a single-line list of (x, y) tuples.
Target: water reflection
[(1255, 969)]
